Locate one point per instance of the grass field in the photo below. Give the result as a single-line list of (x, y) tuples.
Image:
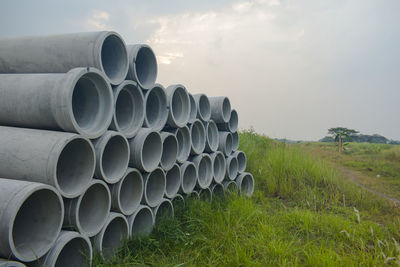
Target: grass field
[(302, 213)]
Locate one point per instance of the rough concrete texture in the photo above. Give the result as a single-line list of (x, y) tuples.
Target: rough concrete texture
[(205, 194), (212, 137), (178, 103), (154, 187), (193, 109), (235, 141), (163, 210), (204, 170), (188, 177), (142, 65), (111, 236), (78, 101), (170, 150), (232, 124), (219, 166), (203, 107), (146, 150), (129, 109), (242, 160), (220, 109), (230, 187), (217, 190), (88, 213), (141, 222), (173, 178), (127, 193), (63, 160), (184, 143), (225, 143), (232, 168), (112, 156), (104, 50), (31, 216), (245, 182), (70, 249), (156, 114), (198, 137)]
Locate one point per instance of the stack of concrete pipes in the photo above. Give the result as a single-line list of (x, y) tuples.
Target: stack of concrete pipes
[(93, 151)]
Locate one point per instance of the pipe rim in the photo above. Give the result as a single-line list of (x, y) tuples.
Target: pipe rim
[(230, 187), (228, 144), (212, 139), (178, 198), (151, 151), (142, 209), (232, 167), (235, 141), (170, 147), (145, 80), (217, 190), (204, 107), (226, 109), (219, 158), (172, 176), (233, 121), (246, 184), (156, 120), (206, 194), (198, 137), (193, 109), (204, 170), (130, 207), (184, 143), (178, 105), (165, 208), (242, 160), (157, 187), (188, 180)]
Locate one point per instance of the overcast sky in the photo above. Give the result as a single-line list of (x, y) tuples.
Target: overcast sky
[(292, 69)]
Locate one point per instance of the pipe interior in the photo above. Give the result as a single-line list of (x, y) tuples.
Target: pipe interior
[(143, 222), (232, 187), (173, 177), (114, 234), (219, 170), (189, 178), (131, 192), (247, 186), (146, 67), (114, 58), (75, 253), (75, 166), (205, 194), (36, 224), (233, 168), (115, 157), (156, 107), (228, 144), (165, 210), (155, 187), (226, 109), (233, 121), (94, 208), (193, 108), (218, 190), (183, 137), (204, 108), (198, 137), (152, 150), (180, 105), (124, 110), (170, 150), (235, 140), (204, 170), (212, 135), (241, 157)]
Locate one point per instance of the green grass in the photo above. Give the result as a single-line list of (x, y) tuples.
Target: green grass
[(301, 213)]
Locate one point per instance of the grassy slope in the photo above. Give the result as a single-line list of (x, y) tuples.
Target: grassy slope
[(301, 214)]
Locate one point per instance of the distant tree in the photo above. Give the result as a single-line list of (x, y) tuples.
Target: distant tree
[(340, 133)]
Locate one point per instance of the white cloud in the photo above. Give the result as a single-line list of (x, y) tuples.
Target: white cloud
[(98, 20)]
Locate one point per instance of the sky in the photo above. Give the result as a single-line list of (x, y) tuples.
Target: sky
[(292, 69)]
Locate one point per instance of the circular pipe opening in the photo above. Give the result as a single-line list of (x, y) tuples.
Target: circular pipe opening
[(212, 140), (218, 190), (198, 137), (204, 171), (156, 108), (233, 121), (163, 211), (76, 252), (232, 168), (193, 109), (114, 58), (178, 201), (143, 65), (204, 109), (115, 232), (173, 177), (184, 144), (219, 164), (179, 107), (155, 187), (205, 194), (151, 151), (131, 192), (142, 222), (247, 184), (231, 187), (235, 141), (115, 158), (92, 106), (229, 144), (169, 151), (226, 109), (189, 177), (75, 167), (242, 161), (94, 208), (36, 225)]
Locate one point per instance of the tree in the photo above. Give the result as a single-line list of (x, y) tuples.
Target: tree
[(340, 133)]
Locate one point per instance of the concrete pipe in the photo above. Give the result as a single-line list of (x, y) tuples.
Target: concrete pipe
[(232, 168), (203, 107), (193, 195), (170, 150), (88, 213), (205, 194), (173, 178), (163, 211), (104, 50), (178, 106), (242, 161), (70, 249), (232, 124), (146, 150), (141, 222), (10, 263), (127, 193), (79, 101), (245, 182), (142, 65), (198, 137), (111, 236), (31, 216), (156, 114), (204, 170), (225, 143), (212, 137), (178, 200), (217, 190), (235, 141), (219, 166), (63, 160), (230, 187), (112, 156), (154, 187), (184, 143), (193, 109), (129, 109), (188, 177), (220, 109)]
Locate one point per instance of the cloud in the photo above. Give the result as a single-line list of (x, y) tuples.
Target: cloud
[(98, 20)]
